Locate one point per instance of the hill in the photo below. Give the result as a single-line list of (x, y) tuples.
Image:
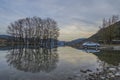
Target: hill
[(5, 37), (107, 34), (76, 41)]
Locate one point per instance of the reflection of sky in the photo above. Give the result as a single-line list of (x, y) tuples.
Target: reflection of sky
[(3, 64), (75, 57), (2, 54), (76, 18)]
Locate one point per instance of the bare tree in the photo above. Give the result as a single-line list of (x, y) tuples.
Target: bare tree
[(34, 31)]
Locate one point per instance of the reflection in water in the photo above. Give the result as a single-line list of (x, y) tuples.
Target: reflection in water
[(108, 69), (33, 60), (109, 56), (91, 50), (88, 50), (73, 64), (109, 66)]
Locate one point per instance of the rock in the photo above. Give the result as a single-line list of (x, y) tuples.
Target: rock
[(97, 69), (91, 75), (112, 69), (117, 74), (102, 77), (88, 70), (116, 48), (83, 71), (112, 76), (119, 68)]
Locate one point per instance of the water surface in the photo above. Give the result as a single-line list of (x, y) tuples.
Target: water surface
[(63, 63)]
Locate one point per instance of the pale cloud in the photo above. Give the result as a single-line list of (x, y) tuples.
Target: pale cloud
[(74, 31)]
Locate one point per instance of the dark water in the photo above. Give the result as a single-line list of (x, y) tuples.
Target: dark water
[(63, 63)]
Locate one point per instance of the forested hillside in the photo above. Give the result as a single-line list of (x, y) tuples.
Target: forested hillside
[(107, 34), (109, 31)]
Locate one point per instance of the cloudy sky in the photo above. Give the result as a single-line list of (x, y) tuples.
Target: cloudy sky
[(76, 18)]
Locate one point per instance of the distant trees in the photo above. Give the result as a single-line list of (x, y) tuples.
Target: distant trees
[(34, 30), (107, 29)]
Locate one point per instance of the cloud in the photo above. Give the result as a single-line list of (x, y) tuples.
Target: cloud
[(76, 18), (74, 31)]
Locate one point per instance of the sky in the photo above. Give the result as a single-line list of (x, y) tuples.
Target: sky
[(75, 18)]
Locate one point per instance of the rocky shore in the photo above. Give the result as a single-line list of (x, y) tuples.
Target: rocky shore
[(108, 73)]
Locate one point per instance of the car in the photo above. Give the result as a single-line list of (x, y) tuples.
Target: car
[(90, 44)]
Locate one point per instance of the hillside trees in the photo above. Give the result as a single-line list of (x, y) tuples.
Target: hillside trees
[(34, 30), (107, 29)]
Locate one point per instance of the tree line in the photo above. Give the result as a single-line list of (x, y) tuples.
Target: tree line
[(34, 31)]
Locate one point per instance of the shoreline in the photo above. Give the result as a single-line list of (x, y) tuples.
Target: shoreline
[(110, 47), (102, 47)]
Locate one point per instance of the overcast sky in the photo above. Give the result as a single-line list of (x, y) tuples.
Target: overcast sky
[(76, 18)]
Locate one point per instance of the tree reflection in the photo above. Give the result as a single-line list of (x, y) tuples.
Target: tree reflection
[(33, 59)]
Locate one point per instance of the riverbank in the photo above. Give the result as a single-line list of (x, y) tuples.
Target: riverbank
[(110, 47), (102, 47)]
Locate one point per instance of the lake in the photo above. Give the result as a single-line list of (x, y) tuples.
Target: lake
[(62, 63)]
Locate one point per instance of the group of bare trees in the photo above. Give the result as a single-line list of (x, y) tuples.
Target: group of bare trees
[(34, 31), (107, 29)]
